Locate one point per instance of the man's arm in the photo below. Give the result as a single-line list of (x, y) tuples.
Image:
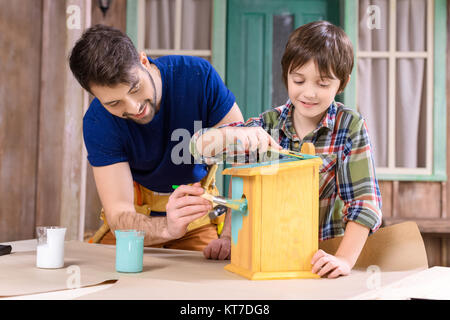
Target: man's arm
[(234, 115), (210, 142), (115, 188)]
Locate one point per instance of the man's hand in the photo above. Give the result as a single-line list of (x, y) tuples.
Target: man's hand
[(184, 206), (219, 249), (324, 263)]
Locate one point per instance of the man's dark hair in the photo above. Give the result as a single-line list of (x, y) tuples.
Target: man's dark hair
[(328, 46), (103, 56)]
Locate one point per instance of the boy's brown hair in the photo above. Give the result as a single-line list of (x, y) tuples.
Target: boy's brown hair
[(325, 43)]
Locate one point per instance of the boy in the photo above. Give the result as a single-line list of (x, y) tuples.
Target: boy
[(316, 66)]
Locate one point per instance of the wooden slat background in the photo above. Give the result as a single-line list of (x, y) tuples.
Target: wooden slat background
[(51, 114), (20, 56)]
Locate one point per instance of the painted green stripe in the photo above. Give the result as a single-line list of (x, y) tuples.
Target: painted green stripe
[(219, 37), (440, 99), (351, 28), (132, 21), (412, 177)]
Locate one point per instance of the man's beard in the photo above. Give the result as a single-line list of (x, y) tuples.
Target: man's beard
[(149, 117), (151, 106)]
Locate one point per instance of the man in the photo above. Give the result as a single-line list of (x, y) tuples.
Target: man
[(128, 130)]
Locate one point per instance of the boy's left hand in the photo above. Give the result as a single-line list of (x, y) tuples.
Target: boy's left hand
[(218, 249), (324, 263)]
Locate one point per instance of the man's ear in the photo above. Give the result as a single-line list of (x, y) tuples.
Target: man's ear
[(143, 59)]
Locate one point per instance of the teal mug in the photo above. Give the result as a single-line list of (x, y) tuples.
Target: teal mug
[(129, 250)]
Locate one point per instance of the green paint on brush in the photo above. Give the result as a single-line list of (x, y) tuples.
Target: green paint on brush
[(237, 204)]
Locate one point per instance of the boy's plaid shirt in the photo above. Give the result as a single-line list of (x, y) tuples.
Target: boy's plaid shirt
[(348, 186)]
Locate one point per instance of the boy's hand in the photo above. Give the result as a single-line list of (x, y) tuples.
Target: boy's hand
[(251, 138), (219, 249), (324, 263)]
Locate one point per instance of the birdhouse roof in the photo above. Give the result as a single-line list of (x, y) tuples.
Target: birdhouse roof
[(273, 167)]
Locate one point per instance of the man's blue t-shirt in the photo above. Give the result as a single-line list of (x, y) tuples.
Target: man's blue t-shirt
[(191, 91)]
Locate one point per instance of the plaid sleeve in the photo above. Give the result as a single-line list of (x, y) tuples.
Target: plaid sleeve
[(255, 122), (356, 180)]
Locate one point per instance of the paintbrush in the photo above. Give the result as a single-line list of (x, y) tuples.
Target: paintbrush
[(240, 205), (287, 152)]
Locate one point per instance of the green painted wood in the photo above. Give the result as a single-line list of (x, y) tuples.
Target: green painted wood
[(350, 20), (132, 21), (412, 177), (219, 33), (440, 98), (218, 60), (249, 45)]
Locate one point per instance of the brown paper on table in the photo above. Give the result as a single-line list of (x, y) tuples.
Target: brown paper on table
[(398, 251), (134, 288), (394, 248), (172, 274), (20, 276)]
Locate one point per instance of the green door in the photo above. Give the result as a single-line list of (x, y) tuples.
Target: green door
[(257, 32)]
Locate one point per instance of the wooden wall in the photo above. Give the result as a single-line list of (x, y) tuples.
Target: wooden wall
[(51, 115), (20, 56), (424, 202), (36, 110), (39, 120)]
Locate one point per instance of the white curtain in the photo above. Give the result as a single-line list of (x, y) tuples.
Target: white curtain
[(195, 25), (373, 83)]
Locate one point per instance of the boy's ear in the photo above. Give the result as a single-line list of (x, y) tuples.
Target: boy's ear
[(346, 83)]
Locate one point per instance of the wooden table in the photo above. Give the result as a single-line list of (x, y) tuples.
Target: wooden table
[(176, 274)]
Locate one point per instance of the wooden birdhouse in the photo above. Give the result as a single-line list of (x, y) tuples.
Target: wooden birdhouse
[(277, 236)]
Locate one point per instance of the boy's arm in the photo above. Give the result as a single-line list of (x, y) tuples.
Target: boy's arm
[(357, 186), (347, 254), (352, 243)]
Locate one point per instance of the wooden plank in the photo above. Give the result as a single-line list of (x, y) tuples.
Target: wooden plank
[(72, 171), (386, 197), (447, 255), (444, 200), (51, 119), (116, 16), (20, 55), (425, 225), (419, 200), (289, 205), (395, 198), (433, 249)]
